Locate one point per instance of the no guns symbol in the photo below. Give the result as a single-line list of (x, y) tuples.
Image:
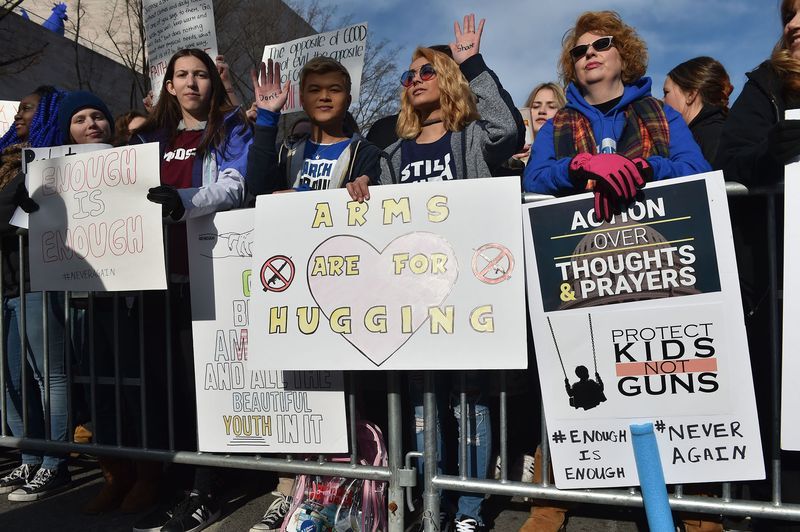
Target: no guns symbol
[(274, 278), (492, 263)]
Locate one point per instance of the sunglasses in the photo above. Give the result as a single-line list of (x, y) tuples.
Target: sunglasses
[(603, 43), (426, 73)]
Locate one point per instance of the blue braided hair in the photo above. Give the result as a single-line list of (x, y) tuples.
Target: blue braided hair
[(43, 130)]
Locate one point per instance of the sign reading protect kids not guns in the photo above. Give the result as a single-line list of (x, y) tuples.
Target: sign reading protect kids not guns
[(95, 228), (172, 25), (640, 320), (241, 409), (426, 276), (346, 45)]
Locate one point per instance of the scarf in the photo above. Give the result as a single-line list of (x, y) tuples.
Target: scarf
[(646, 131)]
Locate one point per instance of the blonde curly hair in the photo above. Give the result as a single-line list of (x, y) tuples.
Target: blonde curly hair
[(455, 97), (632, 49), (786, 66)]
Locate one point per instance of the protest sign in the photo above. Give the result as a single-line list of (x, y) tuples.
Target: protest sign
[(640, 320), (8, 109), (790, 391), (95, 228), (172, 25), (241, 409), (20, 217), (423, 276), (346, 45)]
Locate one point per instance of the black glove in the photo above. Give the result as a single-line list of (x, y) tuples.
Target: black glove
[(783, 141), (170, 200), (23, 200)]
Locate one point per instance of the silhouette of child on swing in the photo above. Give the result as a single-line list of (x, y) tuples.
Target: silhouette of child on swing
[(586, 393)]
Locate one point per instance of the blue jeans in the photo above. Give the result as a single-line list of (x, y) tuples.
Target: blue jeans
[(35, 359), (478, 428)]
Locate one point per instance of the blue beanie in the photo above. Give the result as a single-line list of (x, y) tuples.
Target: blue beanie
[(76, 101)]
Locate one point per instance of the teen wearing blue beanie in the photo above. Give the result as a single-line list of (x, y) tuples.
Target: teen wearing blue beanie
[(83, 118)]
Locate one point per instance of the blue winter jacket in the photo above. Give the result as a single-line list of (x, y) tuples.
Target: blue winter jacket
[(217, 178), (546, 175)]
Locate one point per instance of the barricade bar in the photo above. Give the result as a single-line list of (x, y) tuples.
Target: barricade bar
[(690, 503), (207, 459)]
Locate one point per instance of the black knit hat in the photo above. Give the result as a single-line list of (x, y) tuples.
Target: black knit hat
[(77, 101)]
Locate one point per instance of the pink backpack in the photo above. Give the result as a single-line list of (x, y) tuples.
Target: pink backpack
[(331, 501)]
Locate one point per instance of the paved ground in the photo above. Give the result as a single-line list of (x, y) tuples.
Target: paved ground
[(61, 512)]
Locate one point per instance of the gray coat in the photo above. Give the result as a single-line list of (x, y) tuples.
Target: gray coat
[(484, 144)]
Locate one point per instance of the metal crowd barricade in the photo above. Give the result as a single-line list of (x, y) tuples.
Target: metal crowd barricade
[(400, 475)]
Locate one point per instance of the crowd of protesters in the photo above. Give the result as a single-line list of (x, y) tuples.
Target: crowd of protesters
[(599, 130)]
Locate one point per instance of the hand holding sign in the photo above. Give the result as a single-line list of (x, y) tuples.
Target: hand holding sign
[(468, 42), (269, 93)]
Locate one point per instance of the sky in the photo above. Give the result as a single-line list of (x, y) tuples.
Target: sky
[(522, 38)]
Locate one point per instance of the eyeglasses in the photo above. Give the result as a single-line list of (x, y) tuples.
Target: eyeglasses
[(426, 73), (603, 43)]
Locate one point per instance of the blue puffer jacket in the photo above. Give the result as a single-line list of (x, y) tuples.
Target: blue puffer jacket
[(217, 178), (546, 175)]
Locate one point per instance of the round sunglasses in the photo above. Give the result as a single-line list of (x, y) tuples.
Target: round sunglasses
[(426, 73), (603, 43)]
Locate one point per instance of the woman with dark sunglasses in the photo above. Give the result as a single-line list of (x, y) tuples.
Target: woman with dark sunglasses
[(612, 136)]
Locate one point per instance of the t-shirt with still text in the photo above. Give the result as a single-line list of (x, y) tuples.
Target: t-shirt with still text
[(427, 162), (319, 162)]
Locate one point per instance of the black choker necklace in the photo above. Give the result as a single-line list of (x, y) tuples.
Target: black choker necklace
[(431, 122)]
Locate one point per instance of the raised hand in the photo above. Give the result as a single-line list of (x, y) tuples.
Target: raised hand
[(222, 68), (468, 41), (269, 93)]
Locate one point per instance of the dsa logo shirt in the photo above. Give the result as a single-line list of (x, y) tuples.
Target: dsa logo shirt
[(427, 162), (319, 163)]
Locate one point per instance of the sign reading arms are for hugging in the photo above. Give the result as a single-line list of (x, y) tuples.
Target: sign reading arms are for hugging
[(419, 277)]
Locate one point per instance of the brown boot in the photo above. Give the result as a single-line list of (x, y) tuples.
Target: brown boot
[(144, 492), (704, 525), (118, 475), (545, 519), (546, 516)]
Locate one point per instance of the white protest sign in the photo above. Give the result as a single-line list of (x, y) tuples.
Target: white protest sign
[(346, 45), (20, 217), (423, 276), (172, 25), (95, 228), (790, 392), (640, 320), (8, 108), (240, 409)]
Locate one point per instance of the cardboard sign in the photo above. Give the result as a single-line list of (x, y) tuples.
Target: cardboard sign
[(527, 119), (241, 409), (346, 45), (423, 276), (95, 228), (172, 25), (8, 108), (640, 320)]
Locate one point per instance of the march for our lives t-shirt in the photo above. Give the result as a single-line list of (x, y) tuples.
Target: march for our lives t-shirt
[(319, 161), (427, 162)]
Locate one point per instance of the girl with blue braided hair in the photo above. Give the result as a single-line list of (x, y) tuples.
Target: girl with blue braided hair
[(39, 475)]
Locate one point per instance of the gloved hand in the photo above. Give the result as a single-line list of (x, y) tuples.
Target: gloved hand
[(645, 170), (23, 200), (169, 199), (618, 173), (783, 141)]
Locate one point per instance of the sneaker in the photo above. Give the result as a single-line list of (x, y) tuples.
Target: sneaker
[(466, 523), (194, 513), (276, 512), (527, 469), (153, 521), (20, 476), (46, 482)]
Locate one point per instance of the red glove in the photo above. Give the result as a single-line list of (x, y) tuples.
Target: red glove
[(618, 172), (603, 201)]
